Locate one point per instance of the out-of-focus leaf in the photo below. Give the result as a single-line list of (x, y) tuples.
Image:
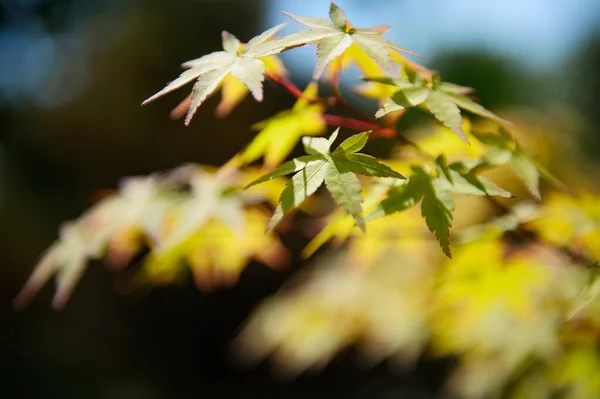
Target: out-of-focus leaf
[(446, 111), (527, 171), (279, 134), (506, 150), (444, 101)]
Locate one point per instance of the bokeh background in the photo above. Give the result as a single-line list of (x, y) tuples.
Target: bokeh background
[(72, 77)]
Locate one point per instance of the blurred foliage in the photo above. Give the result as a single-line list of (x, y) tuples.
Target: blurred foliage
[(514, 314)]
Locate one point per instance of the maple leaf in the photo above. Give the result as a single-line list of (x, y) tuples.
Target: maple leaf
[(507, 150), (335, 35), (280, 133), (216, 253), (232, 90), (245, 63), (443, 100), (139, 203), (336, 169), (436, 195)]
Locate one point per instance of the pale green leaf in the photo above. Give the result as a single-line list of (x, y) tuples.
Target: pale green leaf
[(213, 59), (472, 184), (292, 166), (389, 107), (334, 39), (367, 165), (276, 218), (404, 99), (188, 76), (436, 209), (251, 72), (400, 83), (446, 112), (315, 145), (345, 189), (333, 136), (396, 47), (337, 16), (312, 22), (452, 88), (353, 143), (469, 105), (303, 37), (259, 46), (204, 87), (443, 169), (373, 48), (328, 49), (304, 183), (527, 171), (400, 198), (231, 44)]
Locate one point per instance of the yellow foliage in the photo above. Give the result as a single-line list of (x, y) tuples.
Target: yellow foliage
[(567, 220), (279, 134), (578, 372), (216, 254)]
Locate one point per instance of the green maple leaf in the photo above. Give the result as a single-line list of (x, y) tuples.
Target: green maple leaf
[(506, 150), (337, 169), (436, 208), (335, 35), (443, 100), (436, 195), (210, 70)]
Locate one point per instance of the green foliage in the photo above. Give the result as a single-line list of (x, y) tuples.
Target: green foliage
[(506, 149), (336, 35), (501, 307), (337, 169), (442, 99)]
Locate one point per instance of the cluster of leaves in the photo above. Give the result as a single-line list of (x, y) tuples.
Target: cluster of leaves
[(183, 215), (507, 316), (499, 309)]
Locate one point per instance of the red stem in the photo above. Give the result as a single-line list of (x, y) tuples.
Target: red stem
[(334, 120), (290, 87), (355, 124)]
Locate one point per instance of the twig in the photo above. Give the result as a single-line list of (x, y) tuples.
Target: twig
[(359, 125), (292, 88)]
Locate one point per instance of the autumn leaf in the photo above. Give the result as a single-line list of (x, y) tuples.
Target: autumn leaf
[(436, 191), (279, 134), (245, 63), (335, 35), (443, 100), (336, 169)]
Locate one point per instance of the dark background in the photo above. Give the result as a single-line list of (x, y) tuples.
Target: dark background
[(72, 77)]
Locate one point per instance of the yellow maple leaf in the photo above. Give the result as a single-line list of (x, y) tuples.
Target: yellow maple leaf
[(577, 372), (567, 220), (216, 254), (279, 134)]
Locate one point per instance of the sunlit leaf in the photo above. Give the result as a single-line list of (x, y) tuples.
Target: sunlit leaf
[(244, 63), (337, 169), (334, 38)]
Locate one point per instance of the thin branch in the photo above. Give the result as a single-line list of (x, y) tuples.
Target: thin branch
[(359, 125), (291, 88)]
